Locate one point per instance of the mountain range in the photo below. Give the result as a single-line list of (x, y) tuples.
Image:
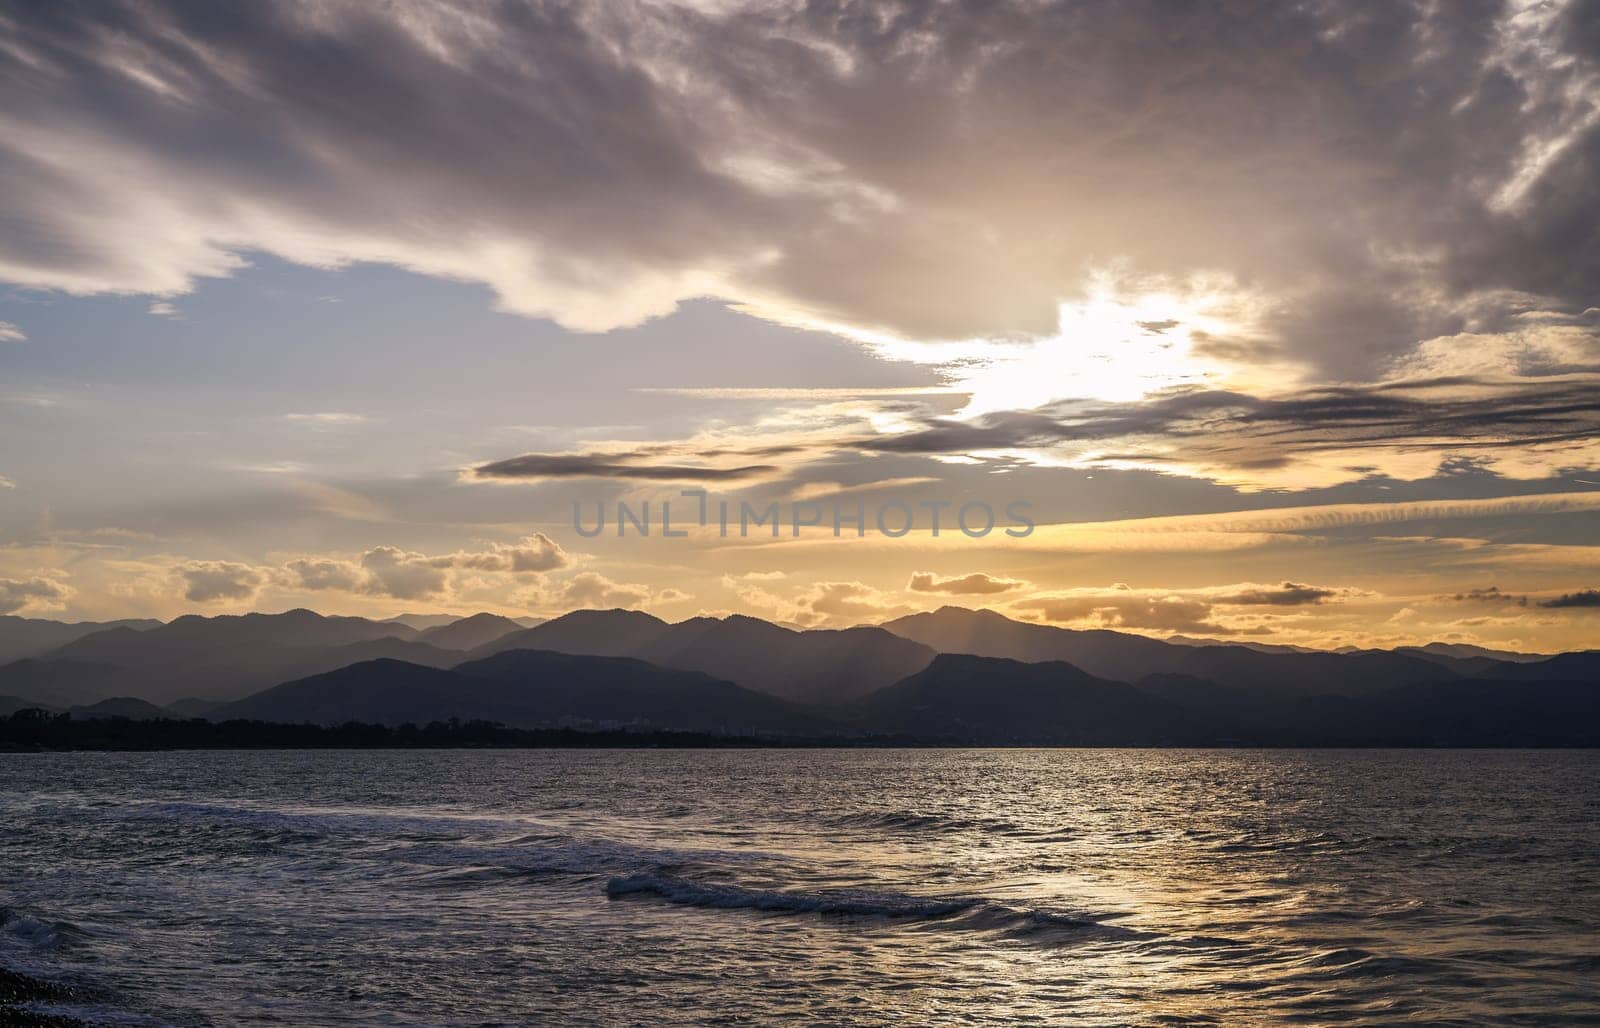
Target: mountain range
[(950, 675), (818, 666)]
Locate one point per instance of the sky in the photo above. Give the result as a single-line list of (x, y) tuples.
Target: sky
[(1280, 322)]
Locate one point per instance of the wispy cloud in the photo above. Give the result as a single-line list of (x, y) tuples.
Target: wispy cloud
[(326, 419), (1249, 528), (823, 490), (540, 466), (1405, 430)]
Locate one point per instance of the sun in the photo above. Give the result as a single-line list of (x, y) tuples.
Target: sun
[(1112, 346)]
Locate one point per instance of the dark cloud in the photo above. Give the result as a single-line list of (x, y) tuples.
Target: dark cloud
[(1583, 598), (1491, 594), (1378, 173), (1465, 425), (37, 590), (1236, 430), (542, 466), (1289, 594)]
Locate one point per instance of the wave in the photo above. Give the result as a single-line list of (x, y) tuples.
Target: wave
[(1353, 962), (32, 933), (962, 913), (919, 822), (556, 855), (463, 846), (689, 893)]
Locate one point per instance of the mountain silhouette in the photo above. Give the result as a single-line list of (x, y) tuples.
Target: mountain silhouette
[(129, 707), (994, 700), (11, 704), (62, 683), (524, 688), (213, 658), (469, 633), (1130, 658), (984, 633), (595, 633), (952, 675), (422, 622), (1582, 666), (1467, 651), (813, 667), (32, 637)]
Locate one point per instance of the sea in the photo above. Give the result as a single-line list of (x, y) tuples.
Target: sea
[(818, 887)]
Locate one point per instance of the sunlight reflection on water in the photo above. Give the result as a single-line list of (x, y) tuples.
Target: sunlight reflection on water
[(1104, 887)]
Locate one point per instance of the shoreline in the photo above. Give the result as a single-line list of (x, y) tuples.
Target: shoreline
[(19, 990)]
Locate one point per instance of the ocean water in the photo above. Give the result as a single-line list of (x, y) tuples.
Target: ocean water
[(837, 887)]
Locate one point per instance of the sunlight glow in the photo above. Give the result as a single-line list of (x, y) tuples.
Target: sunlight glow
[(1112, 346)]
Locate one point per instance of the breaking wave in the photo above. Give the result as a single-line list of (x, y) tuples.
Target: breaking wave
[(970, 913)]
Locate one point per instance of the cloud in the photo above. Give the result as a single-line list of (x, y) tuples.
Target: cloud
[(10, 333), (36, 593), (824, 490), (322, 573), (530, 554), (1403, 429), (6, 483), (404, 574), (1223, 531), (536, 466), (1384, 174), (1407, 430), (1490, 594), (845, 602), (1582, 599), (1178, 610), (325, 419), (592, 590), (976, 584), (211, 581), (1169, 613), (1289, 594), (162, 309), (821, 603), (589, 589)]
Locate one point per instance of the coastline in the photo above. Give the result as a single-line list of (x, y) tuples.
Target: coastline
[(123, 735)]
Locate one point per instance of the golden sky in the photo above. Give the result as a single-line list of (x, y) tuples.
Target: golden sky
[(1282, 322)]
